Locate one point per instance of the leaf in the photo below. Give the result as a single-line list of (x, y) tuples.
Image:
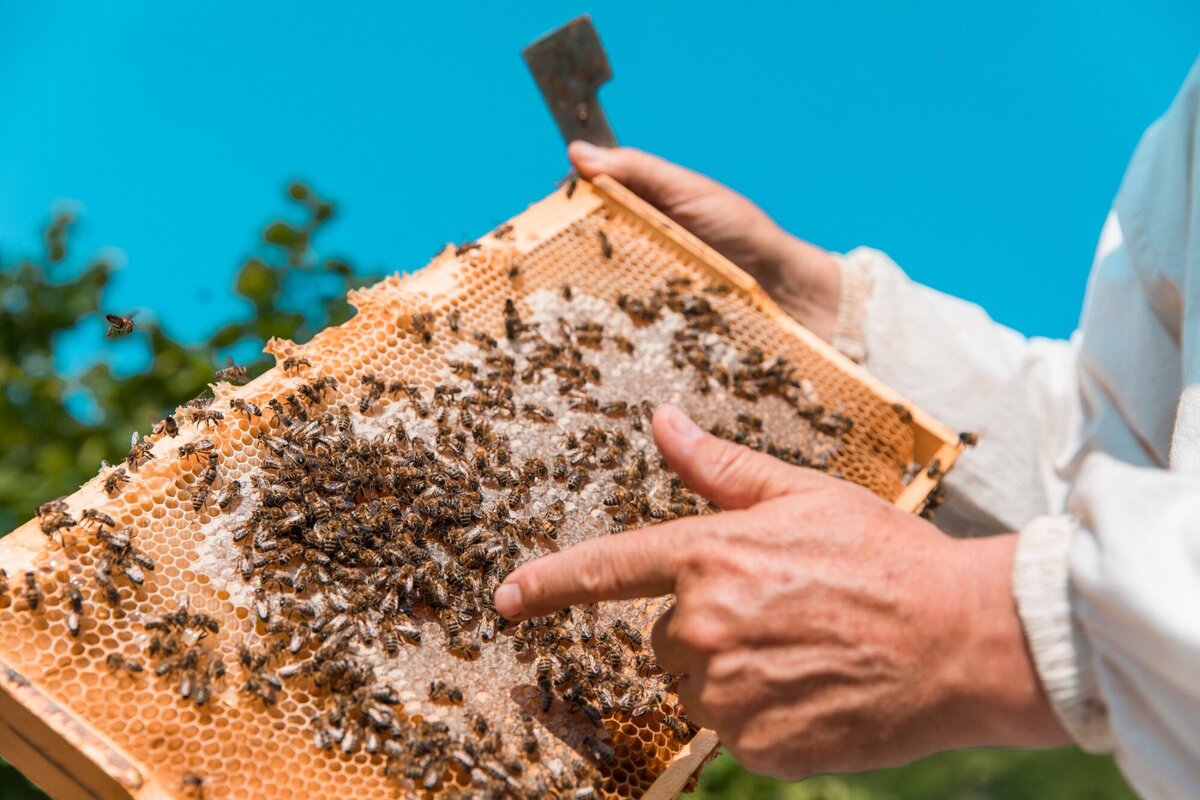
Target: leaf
[(256, 281), (283, 234)]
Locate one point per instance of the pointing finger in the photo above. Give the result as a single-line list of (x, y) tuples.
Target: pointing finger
[(731, 475), (641, 563)]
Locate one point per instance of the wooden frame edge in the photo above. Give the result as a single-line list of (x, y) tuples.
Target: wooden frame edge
[(58, 751)]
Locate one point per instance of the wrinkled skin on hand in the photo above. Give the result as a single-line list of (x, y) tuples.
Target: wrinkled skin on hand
[(804, 279), (816, 627)]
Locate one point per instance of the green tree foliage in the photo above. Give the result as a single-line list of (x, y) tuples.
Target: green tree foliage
[(293, 293)]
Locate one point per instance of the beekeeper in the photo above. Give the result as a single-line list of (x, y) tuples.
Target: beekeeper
[(819, 629)]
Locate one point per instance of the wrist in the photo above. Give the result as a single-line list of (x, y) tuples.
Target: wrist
[(995, 681), (805, 280)]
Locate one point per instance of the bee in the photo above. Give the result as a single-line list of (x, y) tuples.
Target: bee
[(529, 742), (139, 453), (193, 786), (454, 319), (231, 372), (200, 498), (75, 612), (442, 692), (484, 341), (968, 439), (118, 326), (616, 408), (205, 416), (628, 633), (623, 344), (537, 413), (295, 364), (503, 231), (514, 271), (230, 495), (198, 448), (575, 480), (3, 582), (99, 517), (33, 591), (902, 411), (114, 479), (566, 292), (117, 662), (245, 407), (718, 289), (167, 426), (677, 727), (934, 470), (600, 750), (585, 404), (422, 326), (466, 247), (605, 246)]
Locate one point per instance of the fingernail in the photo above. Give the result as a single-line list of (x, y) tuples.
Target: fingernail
[(508, 599), (682, 424), (586, 151)]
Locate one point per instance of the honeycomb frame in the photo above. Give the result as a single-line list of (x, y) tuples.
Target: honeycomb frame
[(44, 737)]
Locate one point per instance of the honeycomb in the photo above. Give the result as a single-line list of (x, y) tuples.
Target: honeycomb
[(226, 616)]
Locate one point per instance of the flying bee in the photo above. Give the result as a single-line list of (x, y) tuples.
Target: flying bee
[(245, 407), (231, 372), (295, 364), (114, 479), (442, 692), (200, 448), (118, 326)]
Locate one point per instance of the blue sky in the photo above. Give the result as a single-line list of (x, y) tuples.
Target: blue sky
[(979, 144)]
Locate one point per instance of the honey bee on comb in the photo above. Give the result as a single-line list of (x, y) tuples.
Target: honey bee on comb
[(341, 525)]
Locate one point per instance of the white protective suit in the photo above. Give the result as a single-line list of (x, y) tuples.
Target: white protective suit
[(1090, 448)]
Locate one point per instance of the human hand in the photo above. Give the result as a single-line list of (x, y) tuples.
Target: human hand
[(816, 627), (804, 279)]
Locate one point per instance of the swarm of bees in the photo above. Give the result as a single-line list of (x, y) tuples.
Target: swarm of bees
[(360, 541)]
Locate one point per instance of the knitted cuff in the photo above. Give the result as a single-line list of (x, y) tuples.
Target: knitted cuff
[(1060, 650), (849, 335)]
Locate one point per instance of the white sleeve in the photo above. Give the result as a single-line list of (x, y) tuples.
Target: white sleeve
[(1092, 450), (949, 358)]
